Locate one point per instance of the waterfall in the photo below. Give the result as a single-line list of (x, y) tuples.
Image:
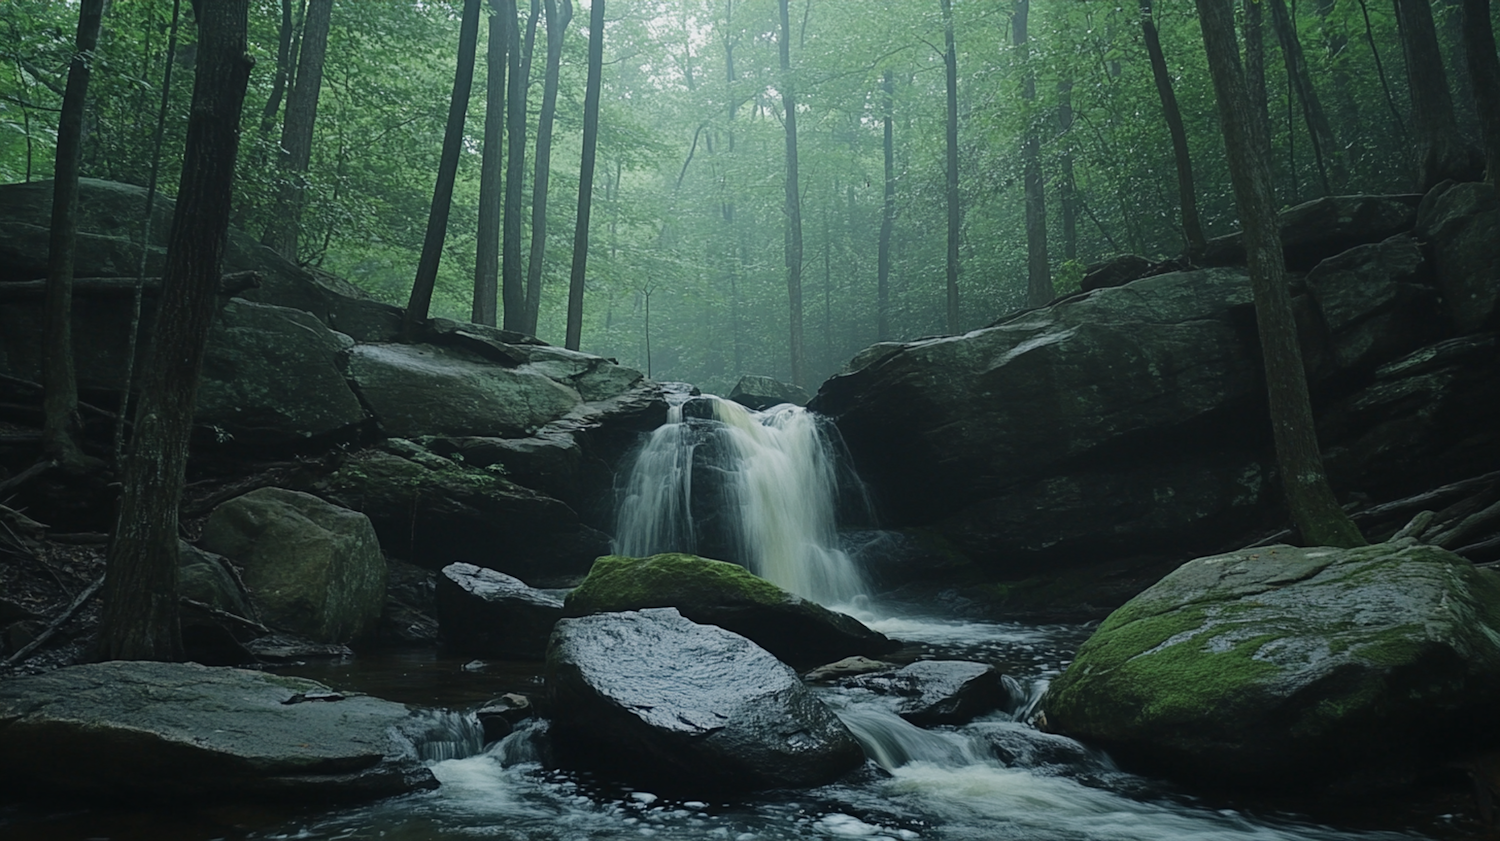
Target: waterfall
[(756, 488)]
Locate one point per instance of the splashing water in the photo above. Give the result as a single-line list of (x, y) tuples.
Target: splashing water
[(757, 488)]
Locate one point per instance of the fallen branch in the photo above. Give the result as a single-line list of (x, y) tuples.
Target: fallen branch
[(85, 538), (1417, 525), (1471, 525), (224, 614), (78, 602), (26, 475), (231, 284)]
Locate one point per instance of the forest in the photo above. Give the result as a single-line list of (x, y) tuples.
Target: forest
[(1056, 108)]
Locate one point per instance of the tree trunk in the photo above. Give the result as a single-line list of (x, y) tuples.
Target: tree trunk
[(512, 279), (442, 194), (557, 24), (1385, 83), (586, 176), (1484, 70), (1068, 188), (1309, 498), (1255, 65), (60, 402), (793, 199), (1441, 151), (139, 619), (1039, 290), (297, 132), (1325, 146), (955, 216), (491, 191), (887, 215), (1187, 193), (284, 60)]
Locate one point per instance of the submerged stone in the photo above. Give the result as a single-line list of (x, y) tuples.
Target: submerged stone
[(1281, 667), (657, 698)]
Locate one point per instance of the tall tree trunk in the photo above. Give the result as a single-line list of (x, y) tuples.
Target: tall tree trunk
[(1484, 70), (1441, 151), (1385, 84), (793, 200), (1068, 188), (139, 619), (1325, 146), (735, 254), (512, 277), (586, 176), (955, 215), (297, 132), (887, 214), (60, 401), (1309, 498), (557, 24), (284, 61), (491, 191), (1039, 290), (442, 194), (1187, 193)]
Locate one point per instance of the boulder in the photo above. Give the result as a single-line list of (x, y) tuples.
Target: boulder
[(430, 515), (312, 568), (490, 614), (1116, 271), (1376, 302), (1461, 222), (1282, 667), (794, 629), (1318, 229), (181, 733), (688, 708), (934, 692), (275, 375), (764, 392)]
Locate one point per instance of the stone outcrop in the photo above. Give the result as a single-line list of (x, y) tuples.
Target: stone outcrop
[(490, 614), (688, 708), (711, 592), (312, 568), (932, 692), (1282, 667), (182, 733), (758, 393)]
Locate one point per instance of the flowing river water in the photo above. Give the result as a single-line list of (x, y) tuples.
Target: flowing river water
[(765, 489)]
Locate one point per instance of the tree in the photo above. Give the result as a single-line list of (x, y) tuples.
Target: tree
[(1039, 290), (442, 194), (60, 403), (1309, 498), (512, 282), (1484, 70), (1325, 147), (1187, 193), (487, 262), (887, 211), (139, 619), (297, 131), (793, 197), (1442, 152), (586, 176), (557, 24), (955, 213)]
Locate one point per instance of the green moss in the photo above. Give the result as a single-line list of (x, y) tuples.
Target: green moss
[(617, 582)]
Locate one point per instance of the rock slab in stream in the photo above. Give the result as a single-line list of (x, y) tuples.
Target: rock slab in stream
[(174, 731), (691, 708), (491, 614), (933, 692), (794, 629), (1283, 667)]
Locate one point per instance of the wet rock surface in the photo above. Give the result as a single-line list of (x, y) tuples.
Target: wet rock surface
[(491, 614), (1282, 667), (934, 692), (175, 732), (711, 592), (656, 697), (758, 393)]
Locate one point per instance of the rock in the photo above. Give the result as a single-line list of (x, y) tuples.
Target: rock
[(1462, 224), (934, 692), (499, 716), (1318, 229), (689, 708), (1376, 303), (1282, 667), (311, 568), (490, 614), (274, 375), (423, 390), (763, 392), (212, 640), (410, 606), (711, 592), (1116, 271), (1020, 746), (282, 647), (550, 463), (847, 667), (184, 733), (432, 516)]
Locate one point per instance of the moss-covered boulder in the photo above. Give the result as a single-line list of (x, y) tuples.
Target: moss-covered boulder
[(717, 593), (1281, 666)]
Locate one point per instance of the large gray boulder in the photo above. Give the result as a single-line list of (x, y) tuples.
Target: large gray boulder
[(311, 568), (689, 708), (490, 614), (758, 392), (1320, 228), (180, 733), (1462, 224), (1376, 301), (1286, 667)]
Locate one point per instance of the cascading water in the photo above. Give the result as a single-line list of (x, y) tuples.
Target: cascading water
[(757, 488)]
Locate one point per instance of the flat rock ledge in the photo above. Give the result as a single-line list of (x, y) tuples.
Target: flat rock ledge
[(170, 731)]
